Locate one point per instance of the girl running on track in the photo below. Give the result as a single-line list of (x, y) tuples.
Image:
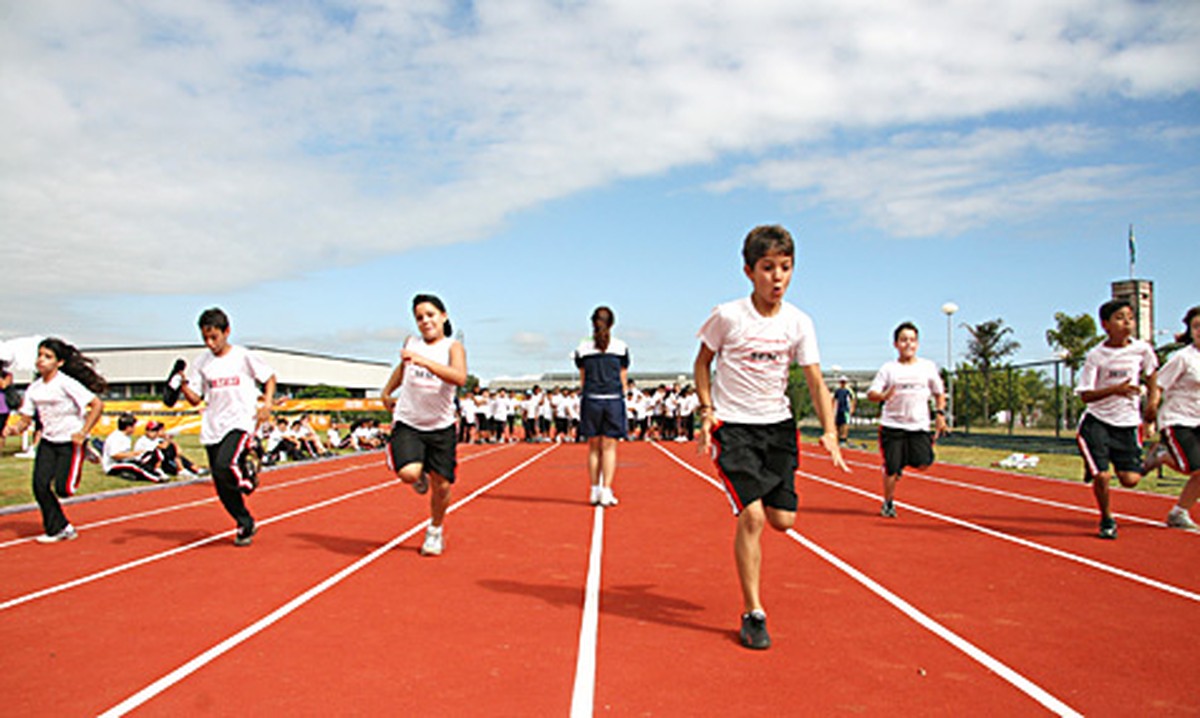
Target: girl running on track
[(604, 374), (1179, 419), (63, 397), (422, 447)]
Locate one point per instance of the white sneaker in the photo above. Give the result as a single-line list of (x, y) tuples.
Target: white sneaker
[(595, 497), (1155, 457), (607, 498), (433, 542), (67, 534), (1181, 520)]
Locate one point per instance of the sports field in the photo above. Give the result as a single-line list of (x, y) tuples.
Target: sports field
[(990, 595)]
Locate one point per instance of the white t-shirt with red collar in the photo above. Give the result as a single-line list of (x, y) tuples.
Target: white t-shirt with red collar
[(753, 353)]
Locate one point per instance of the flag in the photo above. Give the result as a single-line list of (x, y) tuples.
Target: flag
[(1132, 248)]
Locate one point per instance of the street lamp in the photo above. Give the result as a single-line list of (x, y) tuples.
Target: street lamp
[(949, 308)]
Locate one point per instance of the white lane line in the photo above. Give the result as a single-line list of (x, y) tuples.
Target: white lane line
[(1049, 550), (195, 664), (925, 476), (207, 540), (972, 651), (121, 568), (980, 656), (213, 499), (583, 695)]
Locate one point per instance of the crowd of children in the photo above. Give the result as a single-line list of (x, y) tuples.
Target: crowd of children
[(740, 412)]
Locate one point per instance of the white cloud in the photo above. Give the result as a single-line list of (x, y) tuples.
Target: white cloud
[(204, 147)]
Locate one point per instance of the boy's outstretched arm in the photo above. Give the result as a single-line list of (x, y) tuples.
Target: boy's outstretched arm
[(823, 404), (702, 373)]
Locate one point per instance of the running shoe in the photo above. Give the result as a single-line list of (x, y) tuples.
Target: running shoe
[(595, 495), (245, 536), (421, 485), (1156, 456), (67, 534), (607, 498), (754, 631), (888, 510), (434, 544), (1181, 520), (1108, 528)]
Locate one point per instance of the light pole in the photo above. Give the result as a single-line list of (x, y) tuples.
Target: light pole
[(949, 308)]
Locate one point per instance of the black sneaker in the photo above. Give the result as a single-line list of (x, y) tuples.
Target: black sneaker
[(754, 631), (1108, 528), (888, 510), (245, 536)]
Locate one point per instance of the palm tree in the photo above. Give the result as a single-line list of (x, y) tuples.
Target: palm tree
[(988, 346), (1073, 337)]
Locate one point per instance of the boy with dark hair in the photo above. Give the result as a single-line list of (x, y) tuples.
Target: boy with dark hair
[(122, 459), (745, 410), (227, 377), (904, 386), (1110, 385)]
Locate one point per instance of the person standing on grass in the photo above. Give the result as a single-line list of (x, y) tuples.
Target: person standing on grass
[(1110, 385), (422, 448), (904, 386), (603, 364), (63, 397), (745, 411), (1179, 419), (227, 377)]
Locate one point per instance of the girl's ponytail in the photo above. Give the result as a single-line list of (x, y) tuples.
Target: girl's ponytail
[(602, 323)]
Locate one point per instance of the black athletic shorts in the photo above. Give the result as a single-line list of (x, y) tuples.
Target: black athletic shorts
[(1183, 443), (1101, 444), (901, 448), (758, 461), (435, 450)]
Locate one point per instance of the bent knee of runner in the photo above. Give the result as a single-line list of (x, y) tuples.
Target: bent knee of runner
[(1129, 479), (781, 520), (410, 473)]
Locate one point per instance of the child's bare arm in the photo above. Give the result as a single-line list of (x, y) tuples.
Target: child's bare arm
[(823, 404)]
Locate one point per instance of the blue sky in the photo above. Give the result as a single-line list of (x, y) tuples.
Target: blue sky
[(309, 166)]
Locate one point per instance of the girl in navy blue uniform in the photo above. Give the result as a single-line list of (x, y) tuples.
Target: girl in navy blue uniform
[(603, 364)]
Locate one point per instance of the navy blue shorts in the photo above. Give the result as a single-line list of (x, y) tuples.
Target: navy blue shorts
[(1102, 444), (602, 417)]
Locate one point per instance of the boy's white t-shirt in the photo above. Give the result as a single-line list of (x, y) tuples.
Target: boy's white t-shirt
[(60, 404), (230, 393), (915, 383), (1179, 380), (115, 443), (753, 355), (1108, 366)]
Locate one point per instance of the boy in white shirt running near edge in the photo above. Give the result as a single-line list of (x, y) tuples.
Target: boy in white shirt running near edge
[(1110, 385), (746, 413), (905, 386)]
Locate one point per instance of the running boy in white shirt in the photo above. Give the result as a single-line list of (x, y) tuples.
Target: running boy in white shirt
[(227, 377), (746, 412), (1179, 419), (1110, 385), (904, 386)]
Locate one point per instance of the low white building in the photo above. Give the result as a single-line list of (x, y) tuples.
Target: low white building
[(138, 371)]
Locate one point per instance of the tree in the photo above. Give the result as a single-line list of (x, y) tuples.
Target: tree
[(987, 348), (323, 391), (1073, 337)]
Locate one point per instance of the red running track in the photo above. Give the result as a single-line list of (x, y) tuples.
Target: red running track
[(989, 595)]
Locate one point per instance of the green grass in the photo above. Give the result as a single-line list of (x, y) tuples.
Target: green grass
[(16, 482), (1056, 466)]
